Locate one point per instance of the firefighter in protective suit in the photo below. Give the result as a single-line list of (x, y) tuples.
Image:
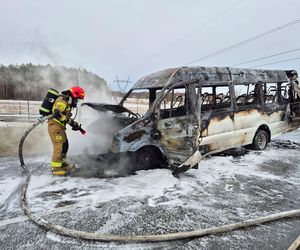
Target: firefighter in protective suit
[(57, 129)]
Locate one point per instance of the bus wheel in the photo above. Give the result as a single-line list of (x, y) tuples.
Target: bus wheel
[(260, 140), (148, 158)]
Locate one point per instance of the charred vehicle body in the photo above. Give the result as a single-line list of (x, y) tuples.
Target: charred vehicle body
[(196, 111)]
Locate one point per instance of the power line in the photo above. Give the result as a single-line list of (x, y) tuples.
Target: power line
[(119, 81), (266, 57), (247, 40), (177, 41), (199, 28), (287, 60)]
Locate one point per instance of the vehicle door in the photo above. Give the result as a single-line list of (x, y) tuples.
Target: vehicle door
[(178, 116)]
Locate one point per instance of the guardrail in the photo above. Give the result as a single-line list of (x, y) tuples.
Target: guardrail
[(18, 110), (12, 110), (19, 107)]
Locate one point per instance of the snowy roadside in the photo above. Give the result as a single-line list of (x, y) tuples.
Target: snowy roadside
[(11, 133), (223, 190)]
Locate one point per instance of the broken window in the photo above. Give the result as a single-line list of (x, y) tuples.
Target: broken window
[(174, 104), (270, 92), (138, 101), (247, 94), (278, 92), (285, 92), (215, 97), (222, 96)]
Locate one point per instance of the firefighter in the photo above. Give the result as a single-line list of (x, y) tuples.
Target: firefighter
[(57, 129)]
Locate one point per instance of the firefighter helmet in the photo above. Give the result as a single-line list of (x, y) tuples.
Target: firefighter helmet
[(77, 92)]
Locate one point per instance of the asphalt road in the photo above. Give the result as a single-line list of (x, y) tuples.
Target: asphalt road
[(225, 189)]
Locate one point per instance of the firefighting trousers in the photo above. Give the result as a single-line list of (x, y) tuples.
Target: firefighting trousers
[(60, 144)]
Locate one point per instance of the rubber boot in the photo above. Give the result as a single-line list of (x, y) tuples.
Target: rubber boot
[(58, 171)]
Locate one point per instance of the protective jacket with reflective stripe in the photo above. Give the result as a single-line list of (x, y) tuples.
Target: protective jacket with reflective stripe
[(63, 105)]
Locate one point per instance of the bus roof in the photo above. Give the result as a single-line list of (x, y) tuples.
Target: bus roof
[(211, 74)]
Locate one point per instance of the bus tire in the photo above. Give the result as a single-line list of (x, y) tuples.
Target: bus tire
[(148, 158), (260, 140)]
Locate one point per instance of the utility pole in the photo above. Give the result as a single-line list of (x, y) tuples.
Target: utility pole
[(119, 82)]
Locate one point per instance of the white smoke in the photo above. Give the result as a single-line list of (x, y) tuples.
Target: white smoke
[(100, 128), (96, 140)]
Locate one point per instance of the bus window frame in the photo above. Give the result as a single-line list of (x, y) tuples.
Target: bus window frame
[(215, 107), (259, 103)]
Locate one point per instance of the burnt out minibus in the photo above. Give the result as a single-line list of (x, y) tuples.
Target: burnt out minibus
[(197, 111)]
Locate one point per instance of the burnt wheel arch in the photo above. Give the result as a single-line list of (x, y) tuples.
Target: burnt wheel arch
[(265, 128), (149, 157)]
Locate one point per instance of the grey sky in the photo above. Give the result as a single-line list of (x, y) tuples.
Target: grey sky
[(136, 37)]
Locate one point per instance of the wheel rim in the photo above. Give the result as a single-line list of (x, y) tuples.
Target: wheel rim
[(261, 141)]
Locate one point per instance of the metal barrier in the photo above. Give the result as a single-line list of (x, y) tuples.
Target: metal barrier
[(15, 110)]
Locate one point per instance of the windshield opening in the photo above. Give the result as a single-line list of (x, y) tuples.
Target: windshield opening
[(137, 101), (174, 103)]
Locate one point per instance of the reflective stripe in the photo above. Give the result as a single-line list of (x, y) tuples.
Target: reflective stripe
[(63, 118), (61, 172), (55, 164), (45, 110), (53, 92), (59, 122)]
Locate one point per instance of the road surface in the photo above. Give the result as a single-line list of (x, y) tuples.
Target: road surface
[(225, 189)]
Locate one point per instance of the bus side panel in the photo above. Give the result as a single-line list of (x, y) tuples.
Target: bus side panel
[(216, 131), (278, 124), (246, 124)]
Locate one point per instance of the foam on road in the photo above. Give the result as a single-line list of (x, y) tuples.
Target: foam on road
[(223, 190)]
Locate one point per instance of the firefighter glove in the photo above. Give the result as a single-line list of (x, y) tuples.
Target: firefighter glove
[(75, 126)]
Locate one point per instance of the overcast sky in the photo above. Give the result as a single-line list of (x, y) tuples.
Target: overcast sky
[(132, 38)]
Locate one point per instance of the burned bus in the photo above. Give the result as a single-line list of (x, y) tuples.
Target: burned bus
[(197, 111)]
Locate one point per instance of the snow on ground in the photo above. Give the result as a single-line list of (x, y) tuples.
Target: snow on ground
[(225, 189)]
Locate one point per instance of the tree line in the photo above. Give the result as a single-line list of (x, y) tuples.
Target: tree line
[(31, 82)]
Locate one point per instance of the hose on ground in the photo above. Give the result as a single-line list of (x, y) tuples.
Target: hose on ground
[(295, 245), (133, 238)]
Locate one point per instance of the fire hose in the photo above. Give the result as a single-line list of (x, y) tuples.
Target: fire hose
[(46, 225)]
